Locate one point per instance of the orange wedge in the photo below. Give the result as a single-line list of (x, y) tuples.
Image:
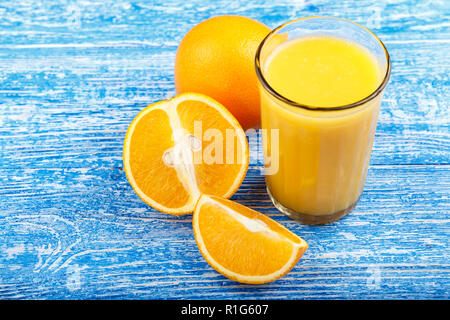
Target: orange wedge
[(178, 149), (242, 244)]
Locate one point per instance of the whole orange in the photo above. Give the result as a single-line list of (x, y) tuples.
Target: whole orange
[(216, 58)]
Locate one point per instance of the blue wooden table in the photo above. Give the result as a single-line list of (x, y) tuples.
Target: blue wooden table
[(72, 77)]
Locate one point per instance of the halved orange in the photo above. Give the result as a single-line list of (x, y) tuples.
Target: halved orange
[(242, 244), (177, 149)]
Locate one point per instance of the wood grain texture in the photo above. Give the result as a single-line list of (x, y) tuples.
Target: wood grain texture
[(73, 76)]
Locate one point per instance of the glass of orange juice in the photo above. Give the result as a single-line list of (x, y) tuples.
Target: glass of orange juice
[(321, 82)]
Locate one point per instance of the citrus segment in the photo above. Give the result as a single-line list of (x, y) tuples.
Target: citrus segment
[(164, 161), (152, 177), (223, 151), (242, 244)]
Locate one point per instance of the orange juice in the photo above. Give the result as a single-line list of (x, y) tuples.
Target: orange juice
[(324, 142), (322, 71)]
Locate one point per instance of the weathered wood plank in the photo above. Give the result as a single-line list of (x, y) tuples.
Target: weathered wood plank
[(81, 232), (165, 22), (72, 106), (394, 187)]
